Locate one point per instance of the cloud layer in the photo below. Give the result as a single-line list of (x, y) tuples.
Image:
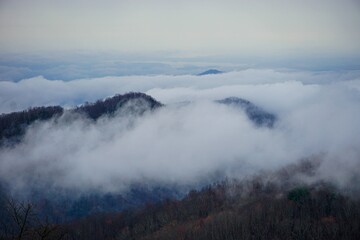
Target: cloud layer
[(188, 143), (256, 85)]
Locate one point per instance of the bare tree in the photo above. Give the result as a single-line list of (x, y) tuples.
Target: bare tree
[(21, 222)]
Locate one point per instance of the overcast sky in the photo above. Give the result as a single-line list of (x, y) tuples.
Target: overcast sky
[(316, 101), (196, 27)]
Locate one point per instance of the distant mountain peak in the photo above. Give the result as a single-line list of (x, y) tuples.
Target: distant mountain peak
[(210, 71)]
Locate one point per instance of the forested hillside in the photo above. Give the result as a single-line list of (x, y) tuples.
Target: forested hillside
[(13, 125), (249, 209), (267, 206)]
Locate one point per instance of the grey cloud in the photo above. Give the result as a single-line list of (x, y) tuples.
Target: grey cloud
[(187, 144)]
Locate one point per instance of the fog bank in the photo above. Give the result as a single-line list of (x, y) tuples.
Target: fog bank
[(192, 139)]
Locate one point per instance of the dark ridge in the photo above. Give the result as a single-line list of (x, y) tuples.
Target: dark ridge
[(256, 114), (210, 71), (14, 124), (109, 106)]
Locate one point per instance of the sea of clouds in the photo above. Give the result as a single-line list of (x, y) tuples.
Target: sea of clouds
[(190, 140)]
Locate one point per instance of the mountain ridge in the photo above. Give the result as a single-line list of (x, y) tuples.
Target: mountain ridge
[(210, 72), (13, 125), (257, 115)]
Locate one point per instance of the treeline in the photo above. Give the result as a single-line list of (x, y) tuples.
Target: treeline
[(13, 125), (216, 212), (249, 209), (139, 102)]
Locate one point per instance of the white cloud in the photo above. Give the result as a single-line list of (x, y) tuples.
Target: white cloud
[(185, 144), (253, 84)]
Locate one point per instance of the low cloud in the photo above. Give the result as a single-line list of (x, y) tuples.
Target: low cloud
[(253, 84), (186, 144)]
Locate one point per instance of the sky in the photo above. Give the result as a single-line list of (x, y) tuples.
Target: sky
[(183, 28), (296, 59)]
